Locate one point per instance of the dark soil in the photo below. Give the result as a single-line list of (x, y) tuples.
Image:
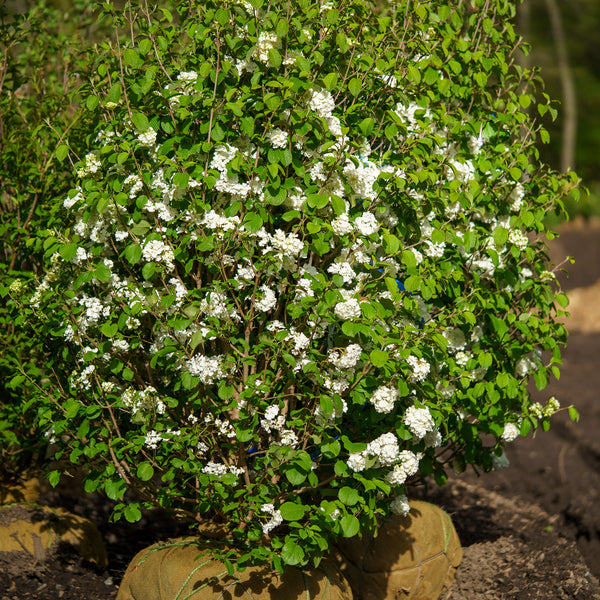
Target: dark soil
[(528, 532)]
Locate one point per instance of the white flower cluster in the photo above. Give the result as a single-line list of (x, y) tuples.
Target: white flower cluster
[(207, 368), (384, 398), (419, 421), (384, 450), (275, 520), (420, 368)]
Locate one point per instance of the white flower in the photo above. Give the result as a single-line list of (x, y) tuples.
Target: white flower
[(420, 368), (147, 138), (344, 269), (357, 461), (158, 251), (187, 76), (408, 466), (385, 448), (462, 358), (288, 438), (345, 358), (511, 432), (366, 223), (551, 407), (268, 301), (276, 518), (419, 421), (322, 103), (518, 238), (516, 197), (400, 506), (384, 399), (267, 40), (341, 225), (278, 138), (348, 310), (153, 438), (207, 368)]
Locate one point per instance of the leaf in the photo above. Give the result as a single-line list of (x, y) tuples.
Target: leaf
[(61, 152), (148, 270), (145, 46), (54, 478), (132, 58), (290, 511), (379, 357), (573, 414), (132, 513), (349, 496), (133, 253), (140, 121), (350, 525), (354, 86), (68, 251), (91, 102), (109, 329), (292, 553), (366, 126), (145, 471)]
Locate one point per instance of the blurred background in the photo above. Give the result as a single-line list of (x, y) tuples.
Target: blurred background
[(564, 40)]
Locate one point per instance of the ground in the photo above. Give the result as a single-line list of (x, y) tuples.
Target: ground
[(528, 532)]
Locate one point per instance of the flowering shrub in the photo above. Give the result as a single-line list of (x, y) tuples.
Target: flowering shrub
[(303, 265)]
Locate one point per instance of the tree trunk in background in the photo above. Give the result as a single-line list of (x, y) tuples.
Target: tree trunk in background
[(569, 128)]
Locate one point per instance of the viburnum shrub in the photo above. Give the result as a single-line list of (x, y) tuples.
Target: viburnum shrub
[(304, 264)]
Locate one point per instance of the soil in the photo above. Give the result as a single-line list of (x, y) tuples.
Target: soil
[(531, 531)]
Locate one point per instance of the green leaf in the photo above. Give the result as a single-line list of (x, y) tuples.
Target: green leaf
[(54, 478), (354, 86), (573, 414), (109, 329), (145, 46), (61, 152), (132, 58), (366, 126), (68, 251), (253, 222), (379, 357), (133, 253), (292, 553), (349, 496), (274, 57), (290, 511), (317, 200), (145, 471), (148, 270), (132, 513), (91, 102), (140, 121), (350, 525)]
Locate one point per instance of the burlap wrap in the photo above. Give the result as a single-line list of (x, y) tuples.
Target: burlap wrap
[(411, 557), (39, 530), (29, 491), (185, 569)]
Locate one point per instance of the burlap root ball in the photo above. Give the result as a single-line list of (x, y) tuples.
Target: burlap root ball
[(29, 491), (40, 530), (411, 557), (186, 568)]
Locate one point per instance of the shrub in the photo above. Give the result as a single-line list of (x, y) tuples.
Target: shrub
[(303, 265)]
